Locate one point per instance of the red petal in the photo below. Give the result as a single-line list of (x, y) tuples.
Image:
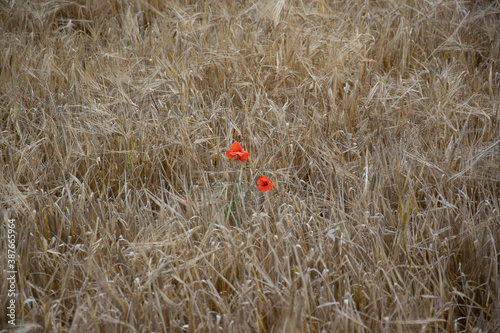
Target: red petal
[(230, 154), (243, 156), (236, 146)]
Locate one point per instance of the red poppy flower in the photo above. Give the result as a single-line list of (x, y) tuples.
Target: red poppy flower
[(237, 152), (263, 184)]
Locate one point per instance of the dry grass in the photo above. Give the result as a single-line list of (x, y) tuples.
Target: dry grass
[(377, 121)]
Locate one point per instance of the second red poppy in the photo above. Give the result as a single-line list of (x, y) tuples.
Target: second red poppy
[(263, 184)]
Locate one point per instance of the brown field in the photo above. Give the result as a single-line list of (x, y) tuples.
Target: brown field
[(377, 121)]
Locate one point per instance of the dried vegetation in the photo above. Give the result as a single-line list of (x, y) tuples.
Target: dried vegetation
[(377, 121)]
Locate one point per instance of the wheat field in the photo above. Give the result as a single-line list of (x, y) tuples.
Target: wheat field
[(376, 121)]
